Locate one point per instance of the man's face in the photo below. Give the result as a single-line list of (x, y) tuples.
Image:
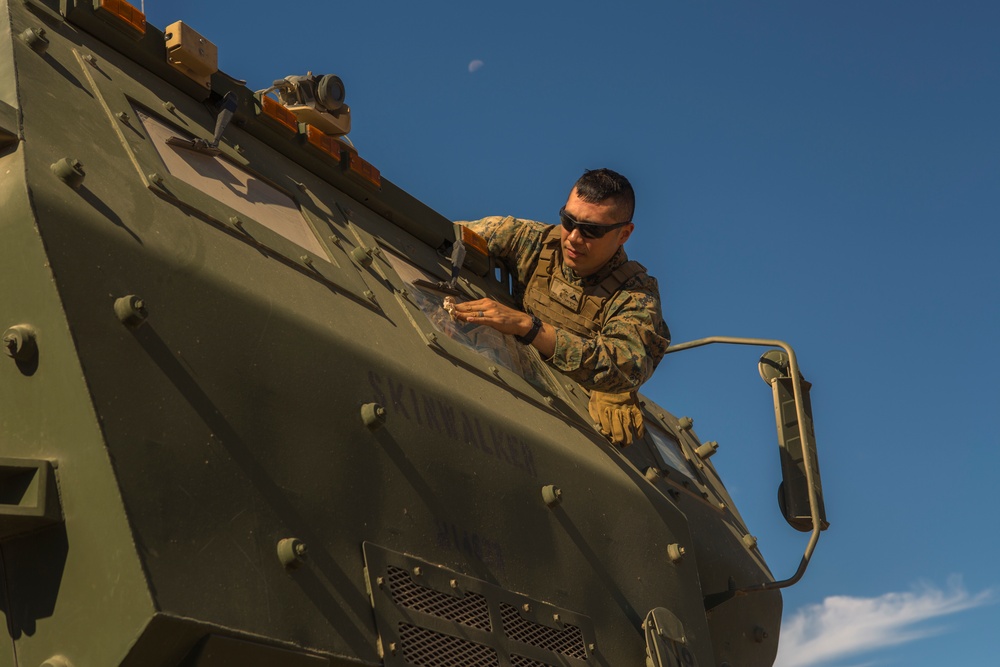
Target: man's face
[(587, 256)]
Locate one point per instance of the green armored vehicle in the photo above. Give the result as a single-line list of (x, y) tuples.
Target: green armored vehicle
[(237, 426)]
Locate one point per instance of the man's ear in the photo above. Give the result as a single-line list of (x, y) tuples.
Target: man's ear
[(625, 232)]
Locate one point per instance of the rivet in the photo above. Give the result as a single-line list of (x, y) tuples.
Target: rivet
[(307, 260), (69, 171), (550, 401), (750, 541), (685, 423), (592, 648), (722, 506), (131, 310), (652, 474), (370, 295), (122, 116), (675, 552), (432, 338), (759, 634), (35, 39), (19, 342), (155, 178), (373, 415), (392, 648), (291, 552), (526, 607), (453, 583), (552, 495), (169, 106), (556, 618), (236, 222), (335, 240), (90, 60), (380, 581), (495, 371), (417, 571)]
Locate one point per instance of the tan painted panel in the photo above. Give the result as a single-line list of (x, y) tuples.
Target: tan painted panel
[(233, 186)]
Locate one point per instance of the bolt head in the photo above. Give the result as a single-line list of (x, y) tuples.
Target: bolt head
[(291, 552), (19, 343)]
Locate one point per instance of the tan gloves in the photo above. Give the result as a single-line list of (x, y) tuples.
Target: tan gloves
[(618, 416)]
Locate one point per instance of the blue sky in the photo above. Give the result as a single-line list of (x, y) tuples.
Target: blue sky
[(826, 173)]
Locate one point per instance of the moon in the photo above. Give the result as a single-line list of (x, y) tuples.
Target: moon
[(475, 65)]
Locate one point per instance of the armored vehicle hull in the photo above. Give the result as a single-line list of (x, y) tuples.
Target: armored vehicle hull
[(237, 428)]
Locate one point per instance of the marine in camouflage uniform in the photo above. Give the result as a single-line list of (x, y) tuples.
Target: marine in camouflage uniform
[(605, 327)]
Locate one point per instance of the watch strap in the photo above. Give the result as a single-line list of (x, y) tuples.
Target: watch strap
[(536, 326)]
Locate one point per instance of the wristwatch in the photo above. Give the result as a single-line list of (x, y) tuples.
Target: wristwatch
[(536, 326)]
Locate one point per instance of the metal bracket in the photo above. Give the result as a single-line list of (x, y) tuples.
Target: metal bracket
[(29, 497)]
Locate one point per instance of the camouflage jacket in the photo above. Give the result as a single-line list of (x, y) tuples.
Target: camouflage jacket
[(633, 336)]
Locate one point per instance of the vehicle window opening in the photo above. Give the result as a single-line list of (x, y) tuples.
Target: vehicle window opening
[(499, 348), (670, 450)]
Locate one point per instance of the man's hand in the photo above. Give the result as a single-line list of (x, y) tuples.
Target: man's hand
[(506, 320), (618, 416), (496, 315)]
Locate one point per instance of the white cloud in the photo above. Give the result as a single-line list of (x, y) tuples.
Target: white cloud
[(475, 65), (844, 626)]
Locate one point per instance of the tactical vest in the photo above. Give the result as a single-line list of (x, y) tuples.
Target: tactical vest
[(573, 307)]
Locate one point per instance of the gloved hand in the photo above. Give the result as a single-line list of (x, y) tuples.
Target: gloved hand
[(617, 415)]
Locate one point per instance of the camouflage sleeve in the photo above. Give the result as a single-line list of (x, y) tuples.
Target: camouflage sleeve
[(514, 242), (631, 343)]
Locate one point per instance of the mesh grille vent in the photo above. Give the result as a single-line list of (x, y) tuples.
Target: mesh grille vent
[(568, 641), (471, 610), (426, 648), (521, 661)]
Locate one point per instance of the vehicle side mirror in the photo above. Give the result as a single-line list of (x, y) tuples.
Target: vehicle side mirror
[(793, 492)]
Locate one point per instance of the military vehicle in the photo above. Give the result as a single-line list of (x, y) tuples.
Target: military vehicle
[(238, 428)]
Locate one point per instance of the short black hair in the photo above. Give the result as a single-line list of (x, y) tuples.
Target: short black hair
[(597, 185)]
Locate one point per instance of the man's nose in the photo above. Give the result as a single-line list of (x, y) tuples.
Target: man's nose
[(574, 237)]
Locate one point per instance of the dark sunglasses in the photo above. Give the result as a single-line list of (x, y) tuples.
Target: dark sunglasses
[(588, 230)]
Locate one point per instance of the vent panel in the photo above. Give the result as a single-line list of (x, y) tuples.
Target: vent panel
[(470, 610), (430, 616), (426, 648), (567, 641)]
